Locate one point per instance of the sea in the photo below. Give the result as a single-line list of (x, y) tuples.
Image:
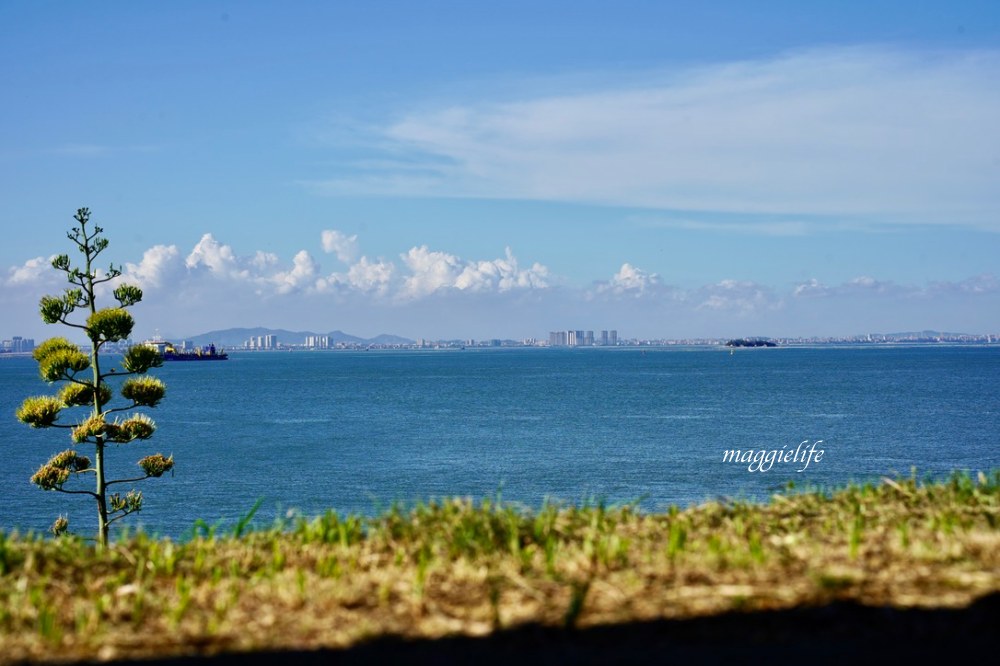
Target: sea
[(360, 431)]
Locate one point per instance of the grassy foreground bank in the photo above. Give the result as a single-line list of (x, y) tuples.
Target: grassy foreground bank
[(463, 568)]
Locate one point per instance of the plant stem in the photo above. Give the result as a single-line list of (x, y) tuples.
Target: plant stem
[(95, 363)]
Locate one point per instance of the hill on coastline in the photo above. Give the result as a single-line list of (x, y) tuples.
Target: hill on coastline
[(233, 337)]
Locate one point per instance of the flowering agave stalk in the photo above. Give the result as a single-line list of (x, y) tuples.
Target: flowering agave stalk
[(85, 385)]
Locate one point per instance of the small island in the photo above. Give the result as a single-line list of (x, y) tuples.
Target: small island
[(746, 342)]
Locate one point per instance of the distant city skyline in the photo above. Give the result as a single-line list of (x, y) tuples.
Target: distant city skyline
[(289, 340), (449, 169)]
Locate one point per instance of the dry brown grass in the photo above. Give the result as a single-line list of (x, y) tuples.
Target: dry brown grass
[(461, 568)]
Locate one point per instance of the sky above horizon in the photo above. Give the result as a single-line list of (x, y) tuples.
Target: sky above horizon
[(479, 170)]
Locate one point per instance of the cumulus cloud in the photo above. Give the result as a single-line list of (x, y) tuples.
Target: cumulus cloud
[(724, 297), (864, 285), (884, 135), (216, 257), (502, 275), (302, 274), (212, 283), (160, 265), (738, 297), (986, 283), (264, 260), (630, 281), (35, 271), (431, 271), (371, 277), (423, 271), (340, 244), (983, 284)]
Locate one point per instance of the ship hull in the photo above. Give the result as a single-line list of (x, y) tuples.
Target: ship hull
[(195, 357)]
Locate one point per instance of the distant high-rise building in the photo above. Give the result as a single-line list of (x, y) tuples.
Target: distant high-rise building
[(571, 338), (19, 344), (604, 338), (613, 338), (588, 339), (318, 341)]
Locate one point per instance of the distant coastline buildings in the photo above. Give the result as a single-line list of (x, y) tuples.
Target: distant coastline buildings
[(578, 338), (317, 342), (17, 345), (570, 338), (262, 342)]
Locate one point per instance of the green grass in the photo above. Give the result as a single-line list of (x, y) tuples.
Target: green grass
[(463, 567)]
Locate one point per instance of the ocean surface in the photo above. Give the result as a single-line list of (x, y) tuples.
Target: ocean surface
[(357, 431)]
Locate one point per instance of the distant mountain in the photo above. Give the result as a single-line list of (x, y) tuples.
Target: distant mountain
[(386, 339), (235, 337), (340, 336)]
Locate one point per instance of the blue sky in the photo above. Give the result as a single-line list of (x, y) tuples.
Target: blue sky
[(457, 169)]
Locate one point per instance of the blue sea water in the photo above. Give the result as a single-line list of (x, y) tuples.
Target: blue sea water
[(356, 431)]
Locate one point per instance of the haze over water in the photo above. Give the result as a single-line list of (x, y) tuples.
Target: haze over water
[(355, 431)]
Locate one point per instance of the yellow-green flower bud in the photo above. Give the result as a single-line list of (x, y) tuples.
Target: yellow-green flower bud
[(51, 345), (49, 478), (81, 395), (138, 426), (111, 324), (145, 391), (39, 411), (59, 363), (60, 526), (141, 358), (68, 460), (95, 426), (156, 464)]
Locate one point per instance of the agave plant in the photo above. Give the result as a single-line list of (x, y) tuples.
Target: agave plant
[(85, 385)]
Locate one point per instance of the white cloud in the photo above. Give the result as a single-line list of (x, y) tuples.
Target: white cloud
[(872, 133), (160, 265), (431, 271), (986, 283), (501, 275), (371, 277), (423, 272), (212, 286), (263, 260), (37, 271), (302, 274), (340, 244), (631, 280), (724, 297), (811, 287), (865, 285), (219, 259), (738, 297)]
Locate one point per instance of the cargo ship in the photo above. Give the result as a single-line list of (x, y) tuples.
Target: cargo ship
[(169, 352)]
